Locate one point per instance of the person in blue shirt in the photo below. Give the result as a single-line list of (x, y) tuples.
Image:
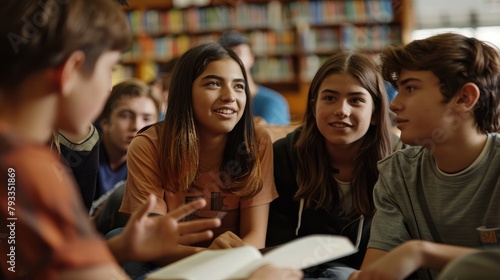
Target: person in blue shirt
[(130, 107), (266, 103)]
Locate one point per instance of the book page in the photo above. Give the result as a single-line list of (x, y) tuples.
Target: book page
[(302, 253), (208, 265)]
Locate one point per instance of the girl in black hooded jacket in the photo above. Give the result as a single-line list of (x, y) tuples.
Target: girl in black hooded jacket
[(326, 169)]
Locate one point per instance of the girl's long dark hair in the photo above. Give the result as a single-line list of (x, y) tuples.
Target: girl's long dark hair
[(314, 175), (179, 142)]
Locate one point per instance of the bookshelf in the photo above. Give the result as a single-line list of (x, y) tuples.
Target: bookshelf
[(290, 39)]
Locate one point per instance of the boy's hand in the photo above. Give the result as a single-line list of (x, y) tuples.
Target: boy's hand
[(148, 238), (196, 231), (397, 264)]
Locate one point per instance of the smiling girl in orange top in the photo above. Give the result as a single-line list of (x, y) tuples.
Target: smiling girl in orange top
[(207, 146)]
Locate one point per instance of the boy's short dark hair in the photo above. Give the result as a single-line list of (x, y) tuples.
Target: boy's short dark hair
[(35, 35), (230, 39), (455, 60)]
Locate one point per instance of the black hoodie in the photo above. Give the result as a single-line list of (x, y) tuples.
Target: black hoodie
[(284, 223)]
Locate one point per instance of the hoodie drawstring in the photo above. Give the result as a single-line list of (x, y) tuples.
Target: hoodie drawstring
[(361, 220), (301, 209)]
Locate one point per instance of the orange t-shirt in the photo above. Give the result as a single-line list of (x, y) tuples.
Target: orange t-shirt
[(47, 228), (144, 178)]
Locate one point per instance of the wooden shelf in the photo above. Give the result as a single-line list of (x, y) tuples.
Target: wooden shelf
[(289, 38)]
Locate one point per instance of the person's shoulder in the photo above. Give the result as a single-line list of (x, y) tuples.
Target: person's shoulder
[(39, 166), (33, 153), (496, 140), (147, 139), (292, 137), (494, 147), (407, 155), (287, 142), (262, 133), (266, 93), (15, 152), (149, 133), (279, 132)]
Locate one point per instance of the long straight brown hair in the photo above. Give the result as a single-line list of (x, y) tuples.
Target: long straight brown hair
[(314, 175), (240, 171)]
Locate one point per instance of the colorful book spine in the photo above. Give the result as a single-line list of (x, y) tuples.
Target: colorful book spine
[(285, 35)]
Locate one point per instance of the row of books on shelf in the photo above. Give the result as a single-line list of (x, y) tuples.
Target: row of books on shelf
[(205, 19), (272, 70), (350, 37), (163, 48), (268, 43), (271, 15), (269, 70), (336, 12), (310, 65)]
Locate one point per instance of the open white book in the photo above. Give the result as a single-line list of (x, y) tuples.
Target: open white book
[(239, 263)]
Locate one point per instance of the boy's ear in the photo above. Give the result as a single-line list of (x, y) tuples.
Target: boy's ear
[(104, 123), (467, 97), (69, 72)]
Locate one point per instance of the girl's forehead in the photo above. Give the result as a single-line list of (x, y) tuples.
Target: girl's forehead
[(226, 67), (341, 81), (222, 61)]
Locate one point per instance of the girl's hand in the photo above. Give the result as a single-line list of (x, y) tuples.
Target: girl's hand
[(226, 240)]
